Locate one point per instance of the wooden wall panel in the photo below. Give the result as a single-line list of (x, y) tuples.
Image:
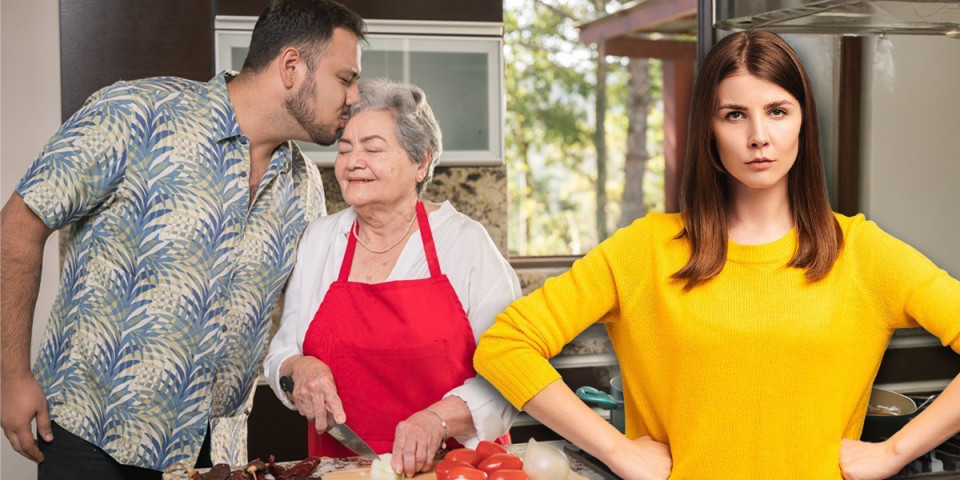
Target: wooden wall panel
[(463, 10), (103, 41)]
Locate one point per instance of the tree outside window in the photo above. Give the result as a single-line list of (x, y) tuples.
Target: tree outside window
[(583, 132)]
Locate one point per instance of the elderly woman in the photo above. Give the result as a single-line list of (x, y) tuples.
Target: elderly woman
[(389, 296)]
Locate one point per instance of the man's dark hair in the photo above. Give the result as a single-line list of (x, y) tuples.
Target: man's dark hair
[(304, 24)]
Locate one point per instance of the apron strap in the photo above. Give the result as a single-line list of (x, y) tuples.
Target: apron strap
[(427, 236)]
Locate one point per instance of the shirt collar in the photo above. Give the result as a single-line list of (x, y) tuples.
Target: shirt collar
[(225, 123)]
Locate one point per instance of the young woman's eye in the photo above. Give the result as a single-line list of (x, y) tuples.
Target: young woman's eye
[(778, 112), (734, 115)]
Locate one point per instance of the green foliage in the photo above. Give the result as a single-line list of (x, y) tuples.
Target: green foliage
[(550, 81)]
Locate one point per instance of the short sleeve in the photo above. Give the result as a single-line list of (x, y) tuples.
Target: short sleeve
[(915, 292), (81, 166)]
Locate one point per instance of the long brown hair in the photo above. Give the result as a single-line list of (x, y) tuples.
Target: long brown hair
[(705, 197)]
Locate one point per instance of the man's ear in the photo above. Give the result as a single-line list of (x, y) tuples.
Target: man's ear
[(290, 66)]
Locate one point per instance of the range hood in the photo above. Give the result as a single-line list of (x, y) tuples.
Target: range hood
[(842, 17)]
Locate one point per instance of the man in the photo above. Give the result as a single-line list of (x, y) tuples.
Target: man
[(185, 202)]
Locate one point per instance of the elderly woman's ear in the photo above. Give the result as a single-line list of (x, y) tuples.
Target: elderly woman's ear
[(424, 166)]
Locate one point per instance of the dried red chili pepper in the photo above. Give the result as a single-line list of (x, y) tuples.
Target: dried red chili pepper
[(219, 471), (273, 468), (300, 469)]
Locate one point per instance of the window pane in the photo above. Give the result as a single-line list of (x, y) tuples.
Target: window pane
[(457, 86)]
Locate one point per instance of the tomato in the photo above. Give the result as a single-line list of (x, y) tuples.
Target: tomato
[(465, 473), (443, 468), (464, 455), (501, 461), (486, 448), (508, 475)]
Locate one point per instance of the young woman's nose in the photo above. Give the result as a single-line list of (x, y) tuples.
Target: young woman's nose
[(758, 134)]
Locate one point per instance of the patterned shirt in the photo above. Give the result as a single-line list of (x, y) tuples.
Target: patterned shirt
[(171, 273)]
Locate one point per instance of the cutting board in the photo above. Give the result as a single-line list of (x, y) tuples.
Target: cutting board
[(364, 474)]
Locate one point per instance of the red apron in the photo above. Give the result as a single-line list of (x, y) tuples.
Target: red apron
[(394, 348)]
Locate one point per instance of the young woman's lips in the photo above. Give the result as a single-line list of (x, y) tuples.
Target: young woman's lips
[(760, 164)]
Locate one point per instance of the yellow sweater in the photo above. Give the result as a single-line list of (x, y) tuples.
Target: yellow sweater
[(755, 374)]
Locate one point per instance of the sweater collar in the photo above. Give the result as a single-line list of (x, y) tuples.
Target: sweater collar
[(780, 250)]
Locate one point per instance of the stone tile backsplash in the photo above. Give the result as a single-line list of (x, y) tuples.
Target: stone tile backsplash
[(478, 192)]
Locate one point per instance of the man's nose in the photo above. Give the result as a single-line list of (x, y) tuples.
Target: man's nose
[(353, 94)]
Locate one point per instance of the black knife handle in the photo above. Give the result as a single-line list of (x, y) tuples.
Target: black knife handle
[(286, 383)]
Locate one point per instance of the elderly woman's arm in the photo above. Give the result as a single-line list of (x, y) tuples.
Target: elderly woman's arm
[(492, 286), (472, 411)]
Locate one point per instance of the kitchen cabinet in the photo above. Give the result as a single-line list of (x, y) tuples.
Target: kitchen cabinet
[(458, 65), (104, 41)]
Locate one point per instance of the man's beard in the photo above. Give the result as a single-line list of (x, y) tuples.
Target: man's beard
[(300, 107)]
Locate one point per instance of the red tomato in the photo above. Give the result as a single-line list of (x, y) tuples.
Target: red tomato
[(501, 461), (443, 468), (466, 473), (508, 475), (464, 455), (486, 448)]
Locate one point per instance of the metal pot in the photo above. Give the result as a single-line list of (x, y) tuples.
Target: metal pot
[(612, 401), (888, 413)]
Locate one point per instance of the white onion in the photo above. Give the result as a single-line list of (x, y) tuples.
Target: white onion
[(380, 469), (545, 462)]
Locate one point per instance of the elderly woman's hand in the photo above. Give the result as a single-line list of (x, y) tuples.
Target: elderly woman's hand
[(315, 393), (416, 443)]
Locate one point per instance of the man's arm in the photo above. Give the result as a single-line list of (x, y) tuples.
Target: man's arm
[(22, 239)]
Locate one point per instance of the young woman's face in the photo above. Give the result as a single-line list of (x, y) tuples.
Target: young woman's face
[(757, 132)]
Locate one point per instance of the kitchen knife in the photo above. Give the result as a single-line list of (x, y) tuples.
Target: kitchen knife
[(341, 432), (350, 439)]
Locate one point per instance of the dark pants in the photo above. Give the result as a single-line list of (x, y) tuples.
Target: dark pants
[(69, 456)]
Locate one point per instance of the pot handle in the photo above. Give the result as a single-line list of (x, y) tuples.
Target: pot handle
[(601, 399), (926, 402)]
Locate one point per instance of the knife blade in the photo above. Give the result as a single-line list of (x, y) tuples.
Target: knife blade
[(350, 439), (341, 432)]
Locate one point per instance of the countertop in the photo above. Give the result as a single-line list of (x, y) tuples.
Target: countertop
[(329, 465)]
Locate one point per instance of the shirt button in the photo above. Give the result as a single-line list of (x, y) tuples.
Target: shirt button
[(243, 174), (244, 140), (223, 329)]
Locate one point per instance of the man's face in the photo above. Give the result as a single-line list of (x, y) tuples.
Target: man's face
[(322, 102)]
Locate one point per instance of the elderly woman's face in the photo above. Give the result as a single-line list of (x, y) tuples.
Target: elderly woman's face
[(371, 167)]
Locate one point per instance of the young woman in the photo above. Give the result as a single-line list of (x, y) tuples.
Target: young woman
[(750, 327)]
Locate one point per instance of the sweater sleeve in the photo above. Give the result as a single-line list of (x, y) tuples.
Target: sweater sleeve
[(915, 291), (513, 353)]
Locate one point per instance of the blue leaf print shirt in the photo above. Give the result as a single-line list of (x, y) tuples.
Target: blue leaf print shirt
[(170, 273)]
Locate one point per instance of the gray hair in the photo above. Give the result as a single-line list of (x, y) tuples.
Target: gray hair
[(416, 128)]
